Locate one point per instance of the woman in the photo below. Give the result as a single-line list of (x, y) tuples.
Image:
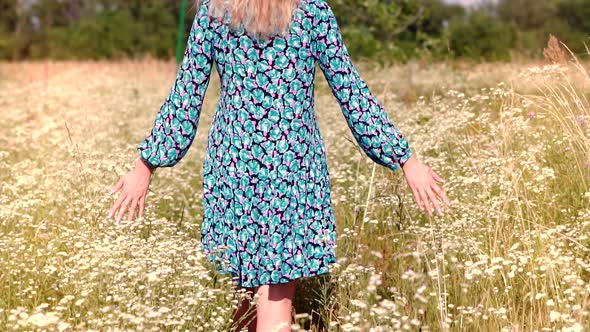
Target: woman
[(268, 218)]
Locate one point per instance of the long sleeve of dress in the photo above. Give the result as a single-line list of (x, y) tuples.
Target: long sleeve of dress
[(176, 123), (366, 118)]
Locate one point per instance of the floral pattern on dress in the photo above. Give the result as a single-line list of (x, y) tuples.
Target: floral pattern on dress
[(267, 211)]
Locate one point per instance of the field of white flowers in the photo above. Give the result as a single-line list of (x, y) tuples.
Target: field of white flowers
[(512, 254)]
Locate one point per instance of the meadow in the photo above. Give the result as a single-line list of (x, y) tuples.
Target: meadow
[(511, 254)]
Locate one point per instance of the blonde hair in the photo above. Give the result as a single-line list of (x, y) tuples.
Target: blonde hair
[(259, 18)]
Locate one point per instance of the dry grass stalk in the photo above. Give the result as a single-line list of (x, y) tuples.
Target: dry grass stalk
[(554, 53)]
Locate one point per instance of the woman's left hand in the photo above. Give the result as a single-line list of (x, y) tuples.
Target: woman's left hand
[(424, 184)]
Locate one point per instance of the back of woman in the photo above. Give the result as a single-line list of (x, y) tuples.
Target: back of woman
[(267, 213)]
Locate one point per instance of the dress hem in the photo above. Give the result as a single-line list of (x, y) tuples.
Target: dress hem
[(324, 269)]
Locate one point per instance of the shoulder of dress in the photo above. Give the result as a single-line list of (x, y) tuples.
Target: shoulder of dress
[(319, 4), (203, 17), (313, 5), (318, 10)]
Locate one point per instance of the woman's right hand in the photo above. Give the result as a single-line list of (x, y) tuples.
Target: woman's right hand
[(134, 189), (424, 184)]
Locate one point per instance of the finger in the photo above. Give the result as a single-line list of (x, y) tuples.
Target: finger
[(424, 198), (116, 205), (116, 187), (132, 209), (433, 199), (417, 198), (436, 176), (141, 205), (123, 208), (440, 193)]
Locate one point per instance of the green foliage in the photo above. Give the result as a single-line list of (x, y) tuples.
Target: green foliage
[(94, 30), (8, 15), (395, 31), (527, 14), (575, 15), (374, 30), (535, 20), (385, 31), (7, 45), (95, 38), (481, 37)]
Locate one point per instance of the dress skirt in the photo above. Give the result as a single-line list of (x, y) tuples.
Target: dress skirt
[(268, 216)]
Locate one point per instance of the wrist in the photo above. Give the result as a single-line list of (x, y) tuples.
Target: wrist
[(142, 164), (408, 163)]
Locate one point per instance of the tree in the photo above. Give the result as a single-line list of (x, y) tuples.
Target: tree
[(393, 30), (481, 36), (8, 15), (372, 28), (574, 30), (436, 17), (576, 13), (527, 14), (383, 30)]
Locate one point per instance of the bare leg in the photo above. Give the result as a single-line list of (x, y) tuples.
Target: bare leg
[(274, 307), (243, 316)]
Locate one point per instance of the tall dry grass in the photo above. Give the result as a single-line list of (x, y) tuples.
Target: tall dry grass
[(511, 255)]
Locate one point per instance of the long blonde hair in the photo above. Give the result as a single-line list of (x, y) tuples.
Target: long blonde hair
[(259, 18)]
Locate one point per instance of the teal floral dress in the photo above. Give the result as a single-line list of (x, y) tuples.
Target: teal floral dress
[(267, 213)]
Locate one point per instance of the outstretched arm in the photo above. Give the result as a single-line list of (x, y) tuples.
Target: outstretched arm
[(366, 118), (176, 123)]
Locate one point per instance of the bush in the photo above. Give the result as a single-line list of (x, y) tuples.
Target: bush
[(7, 45), (481, 36)]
